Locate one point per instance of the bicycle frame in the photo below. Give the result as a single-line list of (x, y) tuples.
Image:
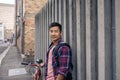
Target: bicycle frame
[(37, 75)]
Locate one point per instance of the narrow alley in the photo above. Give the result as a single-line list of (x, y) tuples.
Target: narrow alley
[(11, 68)]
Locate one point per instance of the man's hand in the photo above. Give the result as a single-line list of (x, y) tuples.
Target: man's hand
[(60, 77), (42, 64)]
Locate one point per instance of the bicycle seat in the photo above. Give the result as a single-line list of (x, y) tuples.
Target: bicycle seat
[(39, 61)]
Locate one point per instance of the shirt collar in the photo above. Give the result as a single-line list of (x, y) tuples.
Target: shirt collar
[(60, 40)]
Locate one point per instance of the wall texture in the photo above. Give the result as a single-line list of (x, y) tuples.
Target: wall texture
[(117, 38), (26, 11), (31, 8), (91, 28)]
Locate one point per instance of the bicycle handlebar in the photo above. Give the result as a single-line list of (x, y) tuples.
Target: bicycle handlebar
[(37, 61), (24, 63)]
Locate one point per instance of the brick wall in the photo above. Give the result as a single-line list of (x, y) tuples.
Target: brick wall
[(32, 7)]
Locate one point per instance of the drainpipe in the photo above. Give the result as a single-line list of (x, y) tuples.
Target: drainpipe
[(22, 29), (16, 22)]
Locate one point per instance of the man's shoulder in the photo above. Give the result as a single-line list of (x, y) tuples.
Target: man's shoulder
[(63, 45)]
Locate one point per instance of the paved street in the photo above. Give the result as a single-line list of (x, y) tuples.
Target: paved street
[(11, 68), (2, 48)]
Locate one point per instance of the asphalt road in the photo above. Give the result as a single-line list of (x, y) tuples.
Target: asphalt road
[(11, 65), (2, 48)]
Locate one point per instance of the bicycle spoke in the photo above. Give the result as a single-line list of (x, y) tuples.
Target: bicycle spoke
[(32, 70)]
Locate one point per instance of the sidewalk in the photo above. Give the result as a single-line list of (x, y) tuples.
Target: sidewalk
[(11, 68)]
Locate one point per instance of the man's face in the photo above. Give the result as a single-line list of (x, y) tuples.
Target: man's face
[(55, 33)]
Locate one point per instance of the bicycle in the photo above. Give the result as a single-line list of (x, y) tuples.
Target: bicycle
[(34, 69)]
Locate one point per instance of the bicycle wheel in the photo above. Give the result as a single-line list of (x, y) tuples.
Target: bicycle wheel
[(32, 70), (27, 68)]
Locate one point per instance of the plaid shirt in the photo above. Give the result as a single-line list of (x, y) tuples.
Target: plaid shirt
[(64, 59)]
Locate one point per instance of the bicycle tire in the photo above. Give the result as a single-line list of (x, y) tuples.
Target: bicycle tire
[(27, 68), (32, 70)]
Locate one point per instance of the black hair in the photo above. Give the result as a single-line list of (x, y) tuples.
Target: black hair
[(53, 24)]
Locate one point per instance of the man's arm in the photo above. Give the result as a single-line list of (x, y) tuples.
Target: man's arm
[(64, 61), (42, 65)]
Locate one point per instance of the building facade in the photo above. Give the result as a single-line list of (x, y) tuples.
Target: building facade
[(31, 8), (25, 19), (2, 32), (7, 12), (92, 29)]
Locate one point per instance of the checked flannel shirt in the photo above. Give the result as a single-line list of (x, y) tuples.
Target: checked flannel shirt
[(65, 59)]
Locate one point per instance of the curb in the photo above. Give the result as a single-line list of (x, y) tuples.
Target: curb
[(3, 54)]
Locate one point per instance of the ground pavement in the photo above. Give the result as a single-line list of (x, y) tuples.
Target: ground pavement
[(11, 68)]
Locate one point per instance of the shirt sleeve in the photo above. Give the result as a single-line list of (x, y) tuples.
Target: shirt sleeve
[(64, 60)]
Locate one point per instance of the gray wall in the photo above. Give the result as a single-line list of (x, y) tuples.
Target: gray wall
[(117, 32), (91, 28)]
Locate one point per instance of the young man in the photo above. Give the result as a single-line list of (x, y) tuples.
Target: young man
[(58, 69)]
